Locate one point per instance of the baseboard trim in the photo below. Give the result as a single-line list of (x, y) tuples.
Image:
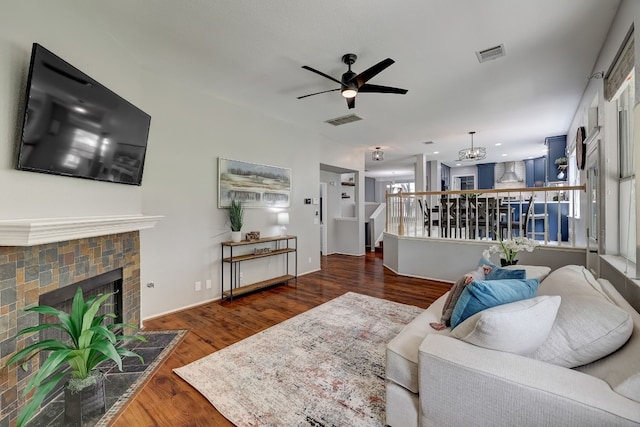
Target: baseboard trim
[(187, 307)]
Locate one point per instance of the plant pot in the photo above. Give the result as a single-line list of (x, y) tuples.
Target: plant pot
[(236, 236), (504, 262), (81, 405)]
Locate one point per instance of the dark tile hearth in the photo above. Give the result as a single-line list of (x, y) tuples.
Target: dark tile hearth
[(119, 386)]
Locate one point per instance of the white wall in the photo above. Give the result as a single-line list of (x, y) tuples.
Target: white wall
[(34, 195), (190, 129), (448, 260)]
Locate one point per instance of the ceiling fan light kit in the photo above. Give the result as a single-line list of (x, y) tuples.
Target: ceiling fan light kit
[(351, 83), (472, 154), (348, 92)]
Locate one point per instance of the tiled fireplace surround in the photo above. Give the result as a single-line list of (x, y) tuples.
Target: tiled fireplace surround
[(26, 272)]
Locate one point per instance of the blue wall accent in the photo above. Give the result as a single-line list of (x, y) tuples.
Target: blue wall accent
[(486, 175), (528, 171), (534, 171), (557, 146)]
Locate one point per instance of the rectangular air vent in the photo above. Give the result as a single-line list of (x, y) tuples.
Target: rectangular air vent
[(491, 53), (344, 120)]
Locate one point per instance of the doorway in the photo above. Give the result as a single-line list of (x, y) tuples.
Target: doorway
[(464, 182), (323, 216), (341, 211)]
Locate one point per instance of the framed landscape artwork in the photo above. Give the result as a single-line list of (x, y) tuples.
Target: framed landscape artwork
[(255, 185)]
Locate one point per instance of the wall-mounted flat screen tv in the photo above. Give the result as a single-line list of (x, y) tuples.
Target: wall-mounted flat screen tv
[(75, 126)]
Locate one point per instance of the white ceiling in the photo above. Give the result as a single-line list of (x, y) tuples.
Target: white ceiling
[(250, 52)]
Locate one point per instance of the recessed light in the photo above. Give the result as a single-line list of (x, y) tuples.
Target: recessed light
[(498, 144), (504, 154), (530, 157), (436, 152), (458, 164)]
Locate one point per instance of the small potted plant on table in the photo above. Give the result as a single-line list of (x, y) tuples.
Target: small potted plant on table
[(509, 248), (91, 342), (236, 217)]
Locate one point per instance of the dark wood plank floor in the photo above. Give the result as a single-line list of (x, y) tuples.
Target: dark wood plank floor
[(166, 400)]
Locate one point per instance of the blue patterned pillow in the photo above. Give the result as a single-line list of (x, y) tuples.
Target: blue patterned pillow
[(499, 273), (482, 294)]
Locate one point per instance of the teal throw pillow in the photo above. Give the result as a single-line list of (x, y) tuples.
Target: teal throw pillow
[(499, 273), (482, 294)]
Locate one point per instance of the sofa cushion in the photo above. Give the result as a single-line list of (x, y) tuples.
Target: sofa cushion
[(499, 273), (589, 324), (539, 272), (480, 295), (519, 327), (621, 369), (587, 328), (456, 291), (571, 280), (402, 351)]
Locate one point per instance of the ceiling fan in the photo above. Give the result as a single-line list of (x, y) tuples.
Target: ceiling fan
[(352, 83)]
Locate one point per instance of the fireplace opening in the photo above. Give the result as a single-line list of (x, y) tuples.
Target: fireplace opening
[(62, 299)]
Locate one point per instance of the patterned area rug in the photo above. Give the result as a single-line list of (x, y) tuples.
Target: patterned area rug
[(324, 367)]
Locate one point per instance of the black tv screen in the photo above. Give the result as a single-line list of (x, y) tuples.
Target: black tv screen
[(76, 127)]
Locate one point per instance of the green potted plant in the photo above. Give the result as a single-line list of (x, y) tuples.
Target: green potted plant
[(561, 161), (509, 248), (91, 342), (236, 217)]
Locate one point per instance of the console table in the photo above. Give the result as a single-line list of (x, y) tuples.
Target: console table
[(267, 247)]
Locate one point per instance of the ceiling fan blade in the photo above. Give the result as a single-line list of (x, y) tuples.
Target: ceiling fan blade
[(364, 76), (318, 93), (381, 89), (306, 67), (351, 102)]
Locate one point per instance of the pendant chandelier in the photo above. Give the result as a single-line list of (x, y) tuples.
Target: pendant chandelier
[(377, 155), (472, 154)]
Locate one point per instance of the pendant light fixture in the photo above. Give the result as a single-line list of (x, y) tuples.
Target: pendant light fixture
[(472, 154), (377, 155)]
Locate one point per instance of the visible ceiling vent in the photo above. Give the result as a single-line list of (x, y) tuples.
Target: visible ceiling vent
[(344, 120), (491, 53), (509, 174), (429, 142)]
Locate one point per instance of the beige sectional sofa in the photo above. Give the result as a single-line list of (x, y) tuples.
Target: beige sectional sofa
[(438, 378)]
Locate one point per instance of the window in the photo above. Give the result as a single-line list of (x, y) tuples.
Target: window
[(626, 165), (464, 182)]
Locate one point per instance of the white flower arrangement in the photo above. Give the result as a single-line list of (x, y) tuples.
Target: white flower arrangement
[(508, 249)]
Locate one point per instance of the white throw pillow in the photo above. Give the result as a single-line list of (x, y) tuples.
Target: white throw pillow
[(587, 328), (571, 280), (539, 272), (519, 327)]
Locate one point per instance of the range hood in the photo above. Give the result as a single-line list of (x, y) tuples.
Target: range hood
[(509, 174)]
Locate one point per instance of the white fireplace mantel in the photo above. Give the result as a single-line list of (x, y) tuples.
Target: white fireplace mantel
[(30, 232)]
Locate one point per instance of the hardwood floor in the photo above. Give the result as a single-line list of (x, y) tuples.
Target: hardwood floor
[(167, 400)]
